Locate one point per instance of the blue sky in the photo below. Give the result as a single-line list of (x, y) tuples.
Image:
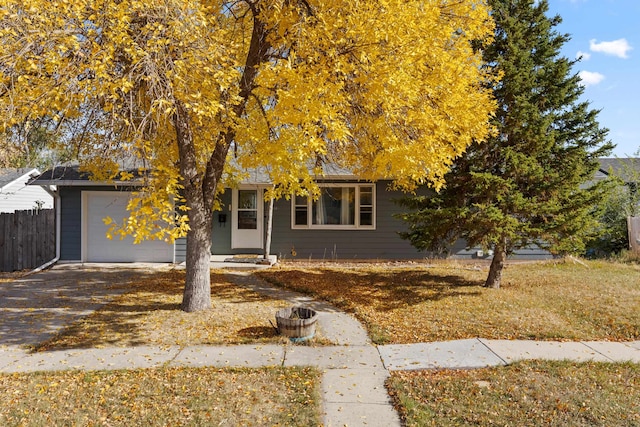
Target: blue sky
[(606, 33)]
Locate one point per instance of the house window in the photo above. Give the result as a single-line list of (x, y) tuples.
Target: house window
[(340, 206), (247, 210)]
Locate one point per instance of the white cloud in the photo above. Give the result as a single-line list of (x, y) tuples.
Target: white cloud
[(585, 56), (590, 78), (618, 48)]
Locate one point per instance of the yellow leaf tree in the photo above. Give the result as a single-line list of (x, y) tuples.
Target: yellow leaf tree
[(389, 89)]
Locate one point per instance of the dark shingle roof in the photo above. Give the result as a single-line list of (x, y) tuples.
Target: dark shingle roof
[(63, 173), (71, 175)]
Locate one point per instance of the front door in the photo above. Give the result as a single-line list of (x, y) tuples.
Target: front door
[(247, 205)]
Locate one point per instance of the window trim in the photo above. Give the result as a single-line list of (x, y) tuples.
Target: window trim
[(355, 226)]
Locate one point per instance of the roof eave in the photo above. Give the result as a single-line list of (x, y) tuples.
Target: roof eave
[(85, 183), (337, 177)]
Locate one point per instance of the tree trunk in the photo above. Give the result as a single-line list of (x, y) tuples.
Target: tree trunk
[(197, 289), (497, 264)]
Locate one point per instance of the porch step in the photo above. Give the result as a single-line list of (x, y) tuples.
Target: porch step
[(242, 261)]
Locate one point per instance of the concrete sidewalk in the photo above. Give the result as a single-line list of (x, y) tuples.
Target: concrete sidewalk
[(480, 353), (461, 354)]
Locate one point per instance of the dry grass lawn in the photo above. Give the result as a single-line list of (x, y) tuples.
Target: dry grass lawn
[(149, 314), (555, 300), (532, 393), (162, 397)]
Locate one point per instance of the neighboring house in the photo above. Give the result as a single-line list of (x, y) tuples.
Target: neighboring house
[(626, 169), (352, 220), (16, 195)]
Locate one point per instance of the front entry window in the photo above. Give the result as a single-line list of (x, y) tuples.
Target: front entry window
[(247, 209)]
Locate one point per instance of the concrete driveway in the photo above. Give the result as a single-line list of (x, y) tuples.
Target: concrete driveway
[(34, 308)]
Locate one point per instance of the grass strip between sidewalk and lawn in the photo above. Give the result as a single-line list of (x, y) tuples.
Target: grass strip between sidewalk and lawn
[(532, 393), (162, 397), (554, 300)]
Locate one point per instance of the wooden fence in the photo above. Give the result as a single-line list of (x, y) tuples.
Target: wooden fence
[(633, 225), (27, 239)]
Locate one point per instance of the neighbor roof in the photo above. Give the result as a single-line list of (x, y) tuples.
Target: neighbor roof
[(627, 169), (9, 175)]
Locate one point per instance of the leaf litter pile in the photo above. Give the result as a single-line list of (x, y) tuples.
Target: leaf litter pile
[(532, 393), (559, 300), (149, 314), (162, 397)]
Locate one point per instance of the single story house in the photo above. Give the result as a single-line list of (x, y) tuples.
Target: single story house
[(352, 220), (16, 195)]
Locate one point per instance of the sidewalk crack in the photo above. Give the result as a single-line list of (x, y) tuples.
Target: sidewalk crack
[(284, 355), (384, 365), (175, 356), (491, 350), (596, 351)]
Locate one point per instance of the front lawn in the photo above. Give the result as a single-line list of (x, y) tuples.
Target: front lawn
[(554, 300), (162, 397), (149, 314), (533, 393)]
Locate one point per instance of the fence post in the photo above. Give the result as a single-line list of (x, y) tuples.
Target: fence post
[(633, 225)]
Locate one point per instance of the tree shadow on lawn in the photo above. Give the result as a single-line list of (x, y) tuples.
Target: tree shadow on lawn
[(113, 325), (119, 323), (385, 291), (36, 307)]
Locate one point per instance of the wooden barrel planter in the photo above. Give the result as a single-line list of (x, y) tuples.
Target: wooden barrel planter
[(297, 323)]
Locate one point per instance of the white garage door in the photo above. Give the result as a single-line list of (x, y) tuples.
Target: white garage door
[(99, 205)]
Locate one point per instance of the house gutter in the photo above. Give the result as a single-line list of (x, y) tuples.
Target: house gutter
[(56, 205)]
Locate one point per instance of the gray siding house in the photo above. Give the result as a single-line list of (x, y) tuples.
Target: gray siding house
[(352, 220)]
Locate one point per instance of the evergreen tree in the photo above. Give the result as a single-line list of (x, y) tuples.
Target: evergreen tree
[(526, 185)]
